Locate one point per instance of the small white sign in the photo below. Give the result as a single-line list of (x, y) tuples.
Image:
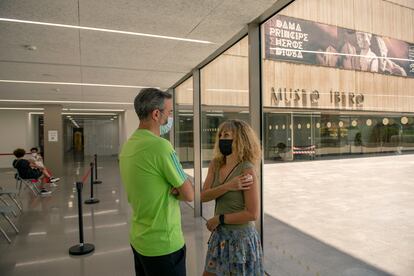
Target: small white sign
[(53, 135)]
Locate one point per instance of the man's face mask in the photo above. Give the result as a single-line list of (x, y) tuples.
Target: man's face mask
[(165, 128)]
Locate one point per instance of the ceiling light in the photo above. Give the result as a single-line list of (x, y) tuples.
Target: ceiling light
[(21, 108), (49, 101), (75, 83), (104, 30), (93, 109), (227, 90), (79, 113)]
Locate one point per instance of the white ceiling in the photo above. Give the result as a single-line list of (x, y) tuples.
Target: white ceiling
[(86, 56)]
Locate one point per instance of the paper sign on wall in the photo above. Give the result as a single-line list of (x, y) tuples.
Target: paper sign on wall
[(52, 135)]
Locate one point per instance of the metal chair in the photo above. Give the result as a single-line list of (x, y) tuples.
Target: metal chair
[(12, 194), (4, 210), (29, 183)]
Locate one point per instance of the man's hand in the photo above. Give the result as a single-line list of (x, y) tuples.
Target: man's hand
[(213, 223), (175, 192)]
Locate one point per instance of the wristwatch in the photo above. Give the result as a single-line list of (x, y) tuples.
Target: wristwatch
[(221, 219)]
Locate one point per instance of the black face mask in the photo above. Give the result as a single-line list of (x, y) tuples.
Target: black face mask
[(225, 146)]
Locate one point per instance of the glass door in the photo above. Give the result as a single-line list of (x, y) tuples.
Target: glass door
[(278, 137), (303, 135)]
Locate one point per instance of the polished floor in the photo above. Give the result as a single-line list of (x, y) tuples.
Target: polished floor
[(351, 217), (49, 227)]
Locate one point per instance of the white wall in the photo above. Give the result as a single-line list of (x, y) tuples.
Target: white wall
[(17, 131), (128, 122), (101, 137)]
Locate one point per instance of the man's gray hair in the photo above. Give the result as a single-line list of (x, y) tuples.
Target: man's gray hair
[(148, 100)]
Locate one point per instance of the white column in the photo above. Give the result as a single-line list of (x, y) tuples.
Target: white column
[(128, 122), (53, 139)]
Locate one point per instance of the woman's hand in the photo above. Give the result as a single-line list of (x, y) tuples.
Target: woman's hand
[(213, 223), (241, 182)]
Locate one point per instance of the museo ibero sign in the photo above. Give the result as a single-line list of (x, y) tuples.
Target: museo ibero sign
[(303, 98), (303, 41)]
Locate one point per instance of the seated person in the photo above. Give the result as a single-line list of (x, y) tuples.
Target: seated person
[(27, 170), (36, 157), (38, 162)]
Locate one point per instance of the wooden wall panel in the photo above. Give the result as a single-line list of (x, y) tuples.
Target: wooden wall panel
[(184, 93), (362, 15), (394, 19), (381, 92), (225, 81), (376, 16), (347, 11), (404, 3), (379, 9)]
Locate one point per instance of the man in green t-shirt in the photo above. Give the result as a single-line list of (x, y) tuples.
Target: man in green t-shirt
[(155, 183)]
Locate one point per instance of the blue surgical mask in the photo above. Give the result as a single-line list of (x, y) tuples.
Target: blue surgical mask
[(164, 129)]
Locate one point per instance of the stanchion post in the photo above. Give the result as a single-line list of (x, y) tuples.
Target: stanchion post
[(96, 171), (81, 248), (91, 199)]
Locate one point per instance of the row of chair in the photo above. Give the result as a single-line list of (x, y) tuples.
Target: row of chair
[(7, 208), (10, 201)]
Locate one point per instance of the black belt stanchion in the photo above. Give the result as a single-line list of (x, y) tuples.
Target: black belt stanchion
[(81, 248), (91, 199), (96, 171)]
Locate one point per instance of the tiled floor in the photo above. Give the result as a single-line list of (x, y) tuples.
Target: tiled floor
[(351, 217)]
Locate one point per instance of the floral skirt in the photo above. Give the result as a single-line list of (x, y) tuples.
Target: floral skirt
[(235, 252)]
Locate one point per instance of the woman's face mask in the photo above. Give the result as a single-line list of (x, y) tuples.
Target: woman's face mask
[(34, 154), (164, 129), (225, 146)]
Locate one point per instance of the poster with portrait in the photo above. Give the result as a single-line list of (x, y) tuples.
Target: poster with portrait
[(303, 41)]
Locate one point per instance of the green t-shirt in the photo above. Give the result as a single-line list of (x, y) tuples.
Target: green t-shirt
[(149, 169)]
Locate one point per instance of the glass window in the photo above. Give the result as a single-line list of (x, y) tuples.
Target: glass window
[(224, 95), (184, 136), (336, 90)]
